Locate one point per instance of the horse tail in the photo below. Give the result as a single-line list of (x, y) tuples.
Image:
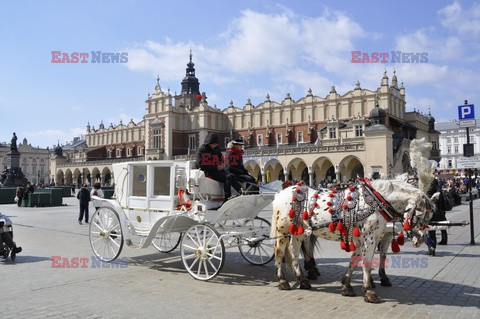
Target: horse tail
[(308, 247)]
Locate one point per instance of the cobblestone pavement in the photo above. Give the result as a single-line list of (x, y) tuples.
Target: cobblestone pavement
[(156, 285)]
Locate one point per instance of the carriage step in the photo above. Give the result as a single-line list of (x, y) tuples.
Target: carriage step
[(131, 244)]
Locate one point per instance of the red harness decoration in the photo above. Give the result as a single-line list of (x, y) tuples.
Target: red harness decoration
[(183, 200), (390, 212)]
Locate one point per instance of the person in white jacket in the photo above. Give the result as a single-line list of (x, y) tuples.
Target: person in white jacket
[(6, 236), (96, 191)]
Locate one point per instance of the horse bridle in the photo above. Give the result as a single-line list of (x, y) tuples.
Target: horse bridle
[(415, 221)]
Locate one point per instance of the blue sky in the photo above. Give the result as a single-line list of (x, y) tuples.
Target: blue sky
[(241, 49)]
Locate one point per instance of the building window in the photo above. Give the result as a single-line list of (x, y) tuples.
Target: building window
[(449, 163), (109, 154), (434, 145), (279, 138), (358, 130), (157, 138), (456, 149), (139, 150), (192, 144), (129, 151), (260, 139), (455, 139), (449, 140), (449, 150), (300, 137), (332, 132), (119, 153)]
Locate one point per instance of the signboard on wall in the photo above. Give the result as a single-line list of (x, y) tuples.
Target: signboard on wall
[(468, 162)]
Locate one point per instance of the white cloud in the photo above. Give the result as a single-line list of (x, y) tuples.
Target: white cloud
[(259, 42), (52, 137), (427, 40), (464, 21)]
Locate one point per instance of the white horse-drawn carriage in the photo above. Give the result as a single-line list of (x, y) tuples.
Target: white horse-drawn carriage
[(167, 203)]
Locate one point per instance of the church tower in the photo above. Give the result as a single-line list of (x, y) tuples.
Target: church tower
[(190, 96)]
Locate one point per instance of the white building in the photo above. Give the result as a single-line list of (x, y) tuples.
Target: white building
[(452, 139)]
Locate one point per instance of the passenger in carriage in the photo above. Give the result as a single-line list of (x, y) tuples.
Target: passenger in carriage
[(210, 160), (234, 163)]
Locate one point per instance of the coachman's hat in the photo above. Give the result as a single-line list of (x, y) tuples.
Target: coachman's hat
[(238, 142)]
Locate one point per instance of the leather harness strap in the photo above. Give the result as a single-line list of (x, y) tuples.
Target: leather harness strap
[(387, 211)]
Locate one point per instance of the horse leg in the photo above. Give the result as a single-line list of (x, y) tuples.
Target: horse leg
[(347, 289), (383, 247), (280, 249), (308, 247), (370, 295), (295, 244)]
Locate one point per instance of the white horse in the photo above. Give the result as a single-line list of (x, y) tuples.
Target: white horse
[(356, 216)]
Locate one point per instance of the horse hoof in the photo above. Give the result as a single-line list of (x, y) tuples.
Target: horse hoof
[(312, 275), (348, 291), (284, 286), (385, 282), (371, 298), (305, 284)]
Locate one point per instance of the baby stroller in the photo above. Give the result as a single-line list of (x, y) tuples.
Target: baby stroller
[(5, 250)]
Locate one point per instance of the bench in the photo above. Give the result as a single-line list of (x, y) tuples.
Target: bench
[(200, 184)]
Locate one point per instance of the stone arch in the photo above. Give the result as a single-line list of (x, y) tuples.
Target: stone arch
[(296, 168), (272, 170), (68, 177), (350, 167), (96, 176), (87, 176), (107, 178), (323, 169), (60, 178), (77, 177), (253, 168)]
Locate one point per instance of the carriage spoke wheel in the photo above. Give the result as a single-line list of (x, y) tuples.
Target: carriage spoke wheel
[(259, 248), (203, 252), (106, 236), (166, 242)]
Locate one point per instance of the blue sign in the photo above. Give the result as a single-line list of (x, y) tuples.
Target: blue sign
[(466, 112)]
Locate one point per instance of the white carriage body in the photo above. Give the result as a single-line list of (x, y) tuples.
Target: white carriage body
[(148, 206)]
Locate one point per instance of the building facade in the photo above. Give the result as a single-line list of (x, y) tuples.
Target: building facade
[(452, 139), (34, 161), (362, 132)]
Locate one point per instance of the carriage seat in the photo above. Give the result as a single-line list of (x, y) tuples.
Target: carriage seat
[(206, 185)]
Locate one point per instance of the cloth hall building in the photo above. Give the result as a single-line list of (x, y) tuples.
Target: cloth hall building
[(335, 137)]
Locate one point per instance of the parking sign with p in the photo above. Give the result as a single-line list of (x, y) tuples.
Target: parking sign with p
[(465, 112)]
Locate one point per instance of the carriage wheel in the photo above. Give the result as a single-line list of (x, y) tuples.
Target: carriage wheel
[(203, 252), (106, 236), (166, 242), (260, 250)]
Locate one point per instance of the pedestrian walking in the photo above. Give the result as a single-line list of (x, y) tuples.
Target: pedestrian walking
[(84, 199)]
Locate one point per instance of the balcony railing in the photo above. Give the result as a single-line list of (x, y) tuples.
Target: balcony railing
[(303, 149), (102, 162)]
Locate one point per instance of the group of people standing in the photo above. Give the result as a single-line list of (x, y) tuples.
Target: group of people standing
[(84, 197), (23, 191), (228, 169)]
